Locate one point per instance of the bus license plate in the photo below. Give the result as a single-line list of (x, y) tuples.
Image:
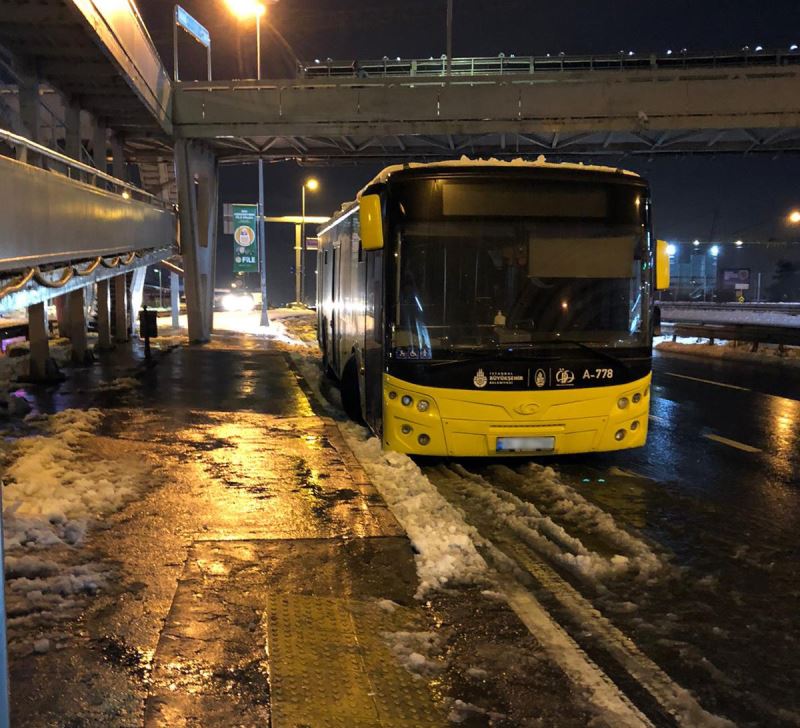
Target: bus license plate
[(525, 444)]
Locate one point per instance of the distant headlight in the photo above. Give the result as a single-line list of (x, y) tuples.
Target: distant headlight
[(238, 302)]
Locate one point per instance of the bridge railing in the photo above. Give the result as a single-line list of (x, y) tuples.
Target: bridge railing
[(502, 64), (755, 335), (56, 162)]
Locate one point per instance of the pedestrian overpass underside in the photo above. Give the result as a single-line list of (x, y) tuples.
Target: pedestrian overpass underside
[(565, 114)]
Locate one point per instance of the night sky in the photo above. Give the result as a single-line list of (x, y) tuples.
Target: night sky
[(724, 197)]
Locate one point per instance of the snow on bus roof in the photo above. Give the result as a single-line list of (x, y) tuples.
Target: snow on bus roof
[(539, 163)]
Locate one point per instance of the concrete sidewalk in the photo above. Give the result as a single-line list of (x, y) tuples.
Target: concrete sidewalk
[(260, 578)]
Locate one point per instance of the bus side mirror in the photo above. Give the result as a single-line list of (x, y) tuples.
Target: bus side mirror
[(662, 266), (371, 219)]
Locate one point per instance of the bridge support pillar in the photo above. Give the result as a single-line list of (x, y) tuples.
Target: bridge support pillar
[(100, 145), (119, 165), (62, 315), (77, 327), (72, 124), (42, 368), (119, 305), (136, 296), (175, 299), (30, 111), (103, 317), (196, 168)]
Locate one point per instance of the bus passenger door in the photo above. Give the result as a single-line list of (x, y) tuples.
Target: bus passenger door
[(373, 341)]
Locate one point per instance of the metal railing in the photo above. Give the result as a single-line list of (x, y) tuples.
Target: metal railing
[(546, 64), (749, 333), (73, 169)]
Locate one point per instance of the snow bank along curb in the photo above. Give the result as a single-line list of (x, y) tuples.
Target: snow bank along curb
[(446, 553), (726, 351)]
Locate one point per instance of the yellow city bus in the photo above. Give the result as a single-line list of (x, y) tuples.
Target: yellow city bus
[(485, 308)]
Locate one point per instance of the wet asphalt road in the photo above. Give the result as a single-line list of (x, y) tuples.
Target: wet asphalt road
[(716, 492)]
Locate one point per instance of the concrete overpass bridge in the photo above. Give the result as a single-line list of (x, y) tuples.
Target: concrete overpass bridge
[(91, 116), (591, 112)]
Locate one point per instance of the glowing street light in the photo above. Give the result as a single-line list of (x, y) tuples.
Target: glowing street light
[(244, 9), (312, 185), (671, 250), (794, 217), (714, 250)]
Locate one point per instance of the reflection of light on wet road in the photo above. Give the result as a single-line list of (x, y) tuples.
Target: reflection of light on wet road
[(784, 416)]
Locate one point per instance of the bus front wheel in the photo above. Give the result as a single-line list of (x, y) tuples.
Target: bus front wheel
[(351, 396)]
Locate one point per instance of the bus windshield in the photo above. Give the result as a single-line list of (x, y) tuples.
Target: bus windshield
[(498, 281)]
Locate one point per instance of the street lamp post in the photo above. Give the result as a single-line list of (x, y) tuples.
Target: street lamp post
[(300, 263), (251, 9), (449, 37), (262, 238)]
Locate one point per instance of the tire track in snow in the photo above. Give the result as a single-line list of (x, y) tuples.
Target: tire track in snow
[(487, 508)]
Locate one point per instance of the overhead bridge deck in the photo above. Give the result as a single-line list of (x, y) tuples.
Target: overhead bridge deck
[(652, 110)]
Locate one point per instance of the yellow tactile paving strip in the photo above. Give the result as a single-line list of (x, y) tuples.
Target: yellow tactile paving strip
[(331, 666)]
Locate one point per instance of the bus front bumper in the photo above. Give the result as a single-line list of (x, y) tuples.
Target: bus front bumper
[(464, 423)]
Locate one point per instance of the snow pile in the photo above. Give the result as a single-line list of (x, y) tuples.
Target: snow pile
[(545, 498), (11, 369), (120, 383), (444, 542), (419, 652), (53, 487), (463, 711), (250, 323), (709, 314)]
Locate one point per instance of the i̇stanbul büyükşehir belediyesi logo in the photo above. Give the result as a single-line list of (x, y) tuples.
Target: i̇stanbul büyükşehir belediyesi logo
[(480, 380)]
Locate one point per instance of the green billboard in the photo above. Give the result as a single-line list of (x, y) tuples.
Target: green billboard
[(245, 238)]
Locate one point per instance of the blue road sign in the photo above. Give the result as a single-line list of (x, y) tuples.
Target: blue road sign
[(192, 27)]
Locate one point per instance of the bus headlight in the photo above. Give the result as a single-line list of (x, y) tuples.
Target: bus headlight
[(622, 403), (423, 405), (636, 398), (406, 429), (407, 400), (423, 439), (619, 435)]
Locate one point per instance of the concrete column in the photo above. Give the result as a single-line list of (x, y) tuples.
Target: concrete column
[(103, 317), (119, 167), (72, 123), (100, 145), (77, 327), (136, 296), (197, 176), (30, 107), (42, 367), (175, 298), (120, 320), (30, 111), (62, 315)]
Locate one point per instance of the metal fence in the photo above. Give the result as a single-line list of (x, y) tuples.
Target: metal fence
[(550, 63)]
